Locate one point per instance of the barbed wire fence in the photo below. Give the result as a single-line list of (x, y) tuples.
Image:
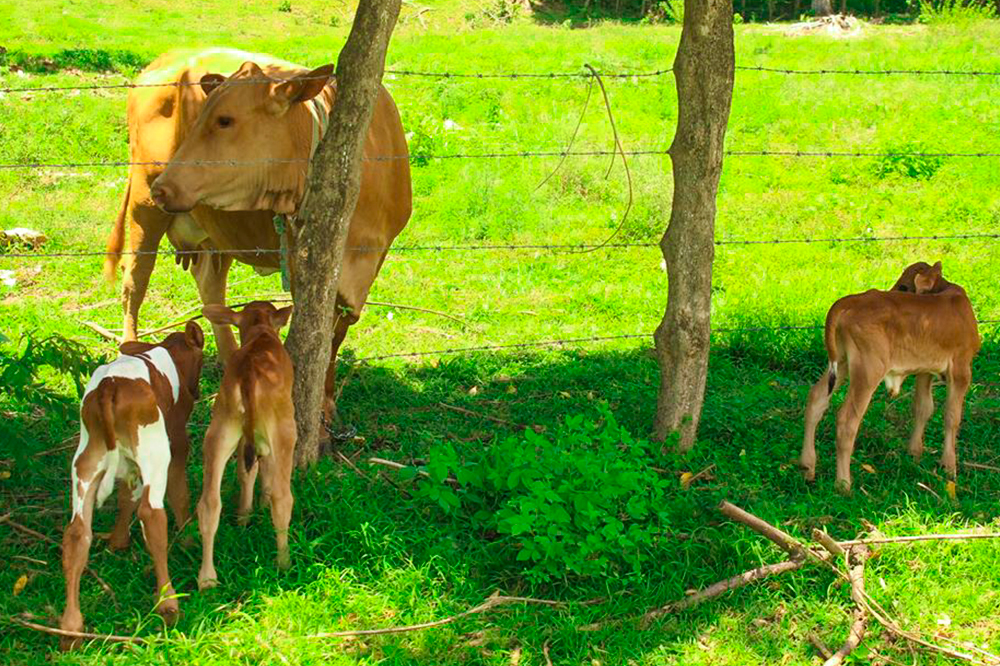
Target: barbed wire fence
[(634, 77)]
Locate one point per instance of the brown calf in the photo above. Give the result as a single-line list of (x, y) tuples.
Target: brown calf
[(924, 326), (253, 409), (133, 427)]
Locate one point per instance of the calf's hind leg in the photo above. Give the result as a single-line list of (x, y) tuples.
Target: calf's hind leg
[(859, 394), (816, 406), (958, 385), (220, 441), (280, 470), (923, 408)]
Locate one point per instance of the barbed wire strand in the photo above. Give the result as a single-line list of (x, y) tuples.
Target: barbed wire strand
[(492, 155), (517, 75), (389, 72), (565, 247)]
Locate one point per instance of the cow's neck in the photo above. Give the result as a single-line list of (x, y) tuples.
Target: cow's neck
[(319, 113)]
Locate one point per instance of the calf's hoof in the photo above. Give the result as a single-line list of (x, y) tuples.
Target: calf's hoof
[(169, 610), (118, 542), (843, 487), (73, 623), (243, 519), (207, 583), (284, 560)]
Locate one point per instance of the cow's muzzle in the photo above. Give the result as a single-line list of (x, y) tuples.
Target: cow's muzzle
[(167, 197)]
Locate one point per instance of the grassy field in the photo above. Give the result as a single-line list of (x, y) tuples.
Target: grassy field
[(367, 555)]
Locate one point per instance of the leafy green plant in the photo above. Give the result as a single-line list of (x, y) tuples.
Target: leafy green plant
[(906, 161), (954, 12), (285, 6), (20, 369), (582, 501)]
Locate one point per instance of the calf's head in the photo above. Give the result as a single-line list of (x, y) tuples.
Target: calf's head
[(921, 278), (247, 117), (253, 316), (185, 349)]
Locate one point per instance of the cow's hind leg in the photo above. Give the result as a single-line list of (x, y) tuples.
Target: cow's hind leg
[(959, 380), (120, 536), (816, 406), (330, 386), (147, 225), (859, 394), (210, 273), (280, 469), (923, 408), (220, 441)]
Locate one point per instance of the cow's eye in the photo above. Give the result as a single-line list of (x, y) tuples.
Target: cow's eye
[(224, 121)]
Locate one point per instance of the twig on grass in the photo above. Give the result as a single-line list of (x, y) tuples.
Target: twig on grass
[(487, 417), (820, 646), (781, 539), (101, 331), (490, 603), (721, 587), (38, 535), (399, 466), (923, 537), (856, 557), (110, 638), (827, 542), (545, 653), (988, 468)]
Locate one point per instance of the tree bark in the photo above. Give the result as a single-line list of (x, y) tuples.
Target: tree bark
[(319, 233), (822, 7), (703, 70)]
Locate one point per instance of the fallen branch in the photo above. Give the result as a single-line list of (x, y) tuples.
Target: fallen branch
[(491, 603), (820, 646), (110, 638), (38, 535), (101, 331), (827, 542), (723, 586), (988, 468), (922, 537), (779, 538), (399, 466), (856, 557), (494, 419)]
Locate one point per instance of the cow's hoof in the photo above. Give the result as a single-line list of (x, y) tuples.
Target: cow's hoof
[(67, 643), (118, 542), (843, 487), (207, 583), (243, 519), (169, 610), (284, 560)]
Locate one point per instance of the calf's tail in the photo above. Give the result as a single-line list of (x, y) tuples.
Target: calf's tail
[(830, 339), (249, 445)]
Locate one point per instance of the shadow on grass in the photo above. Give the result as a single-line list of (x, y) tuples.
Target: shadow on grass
[(364, 531), (85, 60)]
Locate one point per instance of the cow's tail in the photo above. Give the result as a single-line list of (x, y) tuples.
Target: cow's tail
[(116, 241), (830, 340), (249, 445)]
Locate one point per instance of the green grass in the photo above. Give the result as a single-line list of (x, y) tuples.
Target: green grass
[(365, 556)]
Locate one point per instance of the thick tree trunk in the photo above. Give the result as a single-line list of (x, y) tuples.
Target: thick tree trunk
[(703, 70), (822, 7), (319, 233)]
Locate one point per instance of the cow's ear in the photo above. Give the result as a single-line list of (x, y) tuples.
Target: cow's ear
[(193, 335), (210, 82), (133, 347), (927, 282), (280, 317), (303, 87), (221, 315)]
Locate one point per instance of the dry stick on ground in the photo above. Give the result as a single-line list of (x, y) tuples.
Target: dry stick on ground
[(101, 331), (922, 537), (110, 638), (494, 419), (827, 542), (398, 466), (723, 586), (973, 465), (38, 535), (873, 608), (491, 603), (856, 557), (545, 653), (820, 646)]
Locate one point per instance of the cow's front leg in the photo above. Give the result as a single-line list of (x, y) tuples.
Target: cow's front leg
[(330, 386), (147, 224), (210, 273)]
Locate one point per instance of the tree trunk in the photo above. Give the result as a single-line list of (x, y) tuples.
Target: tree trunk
[(822, 7), (703, 70), (319, 233)]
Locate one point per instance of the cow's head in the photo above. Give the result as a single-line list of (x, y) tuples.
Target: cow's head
[(254, 315), (245, 118), (921, 278)]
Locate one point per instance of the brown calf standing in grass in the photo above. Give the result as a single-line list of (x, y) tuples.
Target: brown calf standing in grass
[(253, 409), (924, 326), (133, 427)]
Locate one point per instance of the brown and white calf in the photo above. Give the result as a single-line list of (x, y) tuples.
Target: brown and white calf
[(253, 409), (924, 326), (133, 427)]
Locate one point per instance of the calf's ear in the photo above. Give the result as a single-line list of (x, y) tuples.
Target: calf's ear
[(210, 82), (280, 317), (194, 335), (303, 87), (928, 281), (221, 315)]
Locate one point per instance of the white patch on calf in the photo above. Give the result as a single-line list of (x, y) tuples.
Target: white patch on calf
[(164, 362), (153, 458), (893, 383)]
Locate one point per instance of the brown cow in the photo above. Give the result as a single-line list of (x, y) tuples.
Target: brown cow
[(253, 409), (134, 417), (924, 326), (261, 113)]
